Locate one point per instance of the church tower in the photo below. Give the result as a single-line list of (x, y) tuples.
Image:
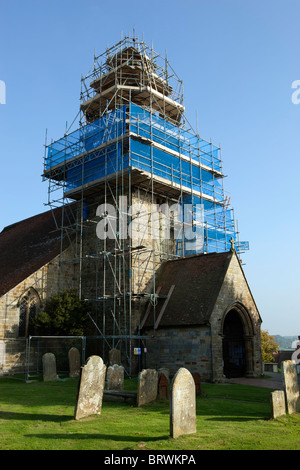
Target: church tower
[(138, 187)]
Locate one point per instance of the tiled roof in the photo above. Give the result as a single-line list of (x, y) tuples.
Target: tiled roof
[(197, 280), (26, 246)]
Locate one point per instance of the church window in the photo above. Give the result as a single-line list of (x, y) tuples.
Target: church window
[(28, 306)]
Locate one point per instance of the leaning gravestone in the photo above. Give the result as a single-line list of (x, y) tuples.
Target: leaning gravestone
[(277, 403), (49, 367), (115, 377), (147, 386), (114, 357), (91, 387), (74, 362), (291, 387), (182, 404)]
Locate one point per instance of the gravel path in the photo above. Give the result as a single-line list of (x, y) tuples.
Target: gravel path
[(275, 381)]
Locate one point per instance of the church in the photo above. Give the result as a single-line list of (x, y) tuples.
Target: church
[(139, 225), (210, 323)]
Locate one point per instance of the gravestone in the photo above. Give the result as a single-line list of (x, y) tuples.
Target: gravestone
[(277, 404), (291, 387), (115, 377), (163, 386), (114, 357), (147, 386), (49, 367), (182, 404), (164, 370), (197, 380), (90, 389), (74, 362)]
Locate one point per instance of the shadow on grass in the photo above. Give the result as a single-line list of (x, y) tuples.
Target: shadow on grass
[(237, 418), (34, 417), (206, 414), (229, 418), (111, 437), (232, 410)]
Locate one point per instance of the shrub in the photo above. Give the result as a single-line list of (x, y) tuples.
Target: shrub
[(64, 314)]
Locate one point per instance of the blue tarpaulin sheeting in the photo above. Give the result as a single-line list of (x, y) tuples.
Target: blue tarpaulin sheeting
[(157, 147)]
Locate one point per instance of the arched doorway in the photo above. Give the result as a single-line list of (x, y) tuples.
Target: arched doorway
[(234, 348)]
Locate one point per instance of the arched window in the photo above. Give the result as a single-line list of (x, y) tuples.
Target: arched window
[(29, 305)]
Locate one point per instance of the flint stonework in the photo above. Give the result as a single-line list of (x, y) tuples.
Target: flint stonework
[(91, 387), (74, 362), (182, 404), (277, 404), (147, 386), (291, 387), (49, 367)]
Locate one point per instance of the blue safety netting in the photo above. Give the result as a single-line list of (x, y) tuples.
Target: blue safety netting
[(177, 139), (175, 170), (214, 225), (95, 166), (179, 158), (88, 137)]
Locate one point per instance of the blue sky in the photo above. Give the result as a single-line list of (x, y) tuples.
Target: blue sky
[(237, 59)]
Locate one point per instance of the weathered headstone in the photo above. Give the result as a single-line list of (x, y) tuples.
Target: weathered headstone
[(74, 362), (147, 386), (291, 387), (163, 386), (91, 386), (182, 404), (49, 367), (277, 404), (115, 377), (114, 357)]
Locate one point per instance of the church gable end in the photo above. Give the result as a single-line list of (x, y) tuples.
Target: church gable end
[(211, 319), (235, 327)]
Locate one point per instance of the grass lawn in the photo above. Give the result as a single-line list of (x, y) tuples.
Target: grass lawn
[(40, 416)]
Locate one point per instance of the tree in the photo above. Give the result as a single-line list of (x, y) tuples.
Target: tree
[(64, 315), (269, 347)]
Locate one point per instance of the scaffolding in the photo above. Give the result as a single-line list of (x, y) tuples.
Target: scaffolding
[(133, 149)]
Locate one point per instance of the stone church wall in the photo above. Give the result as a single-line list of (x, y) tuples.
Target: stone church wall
[(235, 293), (124, 273), (181, 347), (129, 273), (46, 282), (200, 348)]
